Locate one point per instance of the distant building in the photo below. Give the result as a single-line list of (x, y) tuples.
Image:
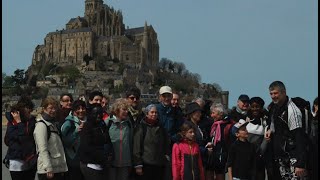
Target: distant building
[(100, 33)]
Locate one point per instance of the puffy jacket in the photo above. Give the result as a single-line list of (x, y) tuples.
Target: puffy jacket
[(186, 162), (51, 153)]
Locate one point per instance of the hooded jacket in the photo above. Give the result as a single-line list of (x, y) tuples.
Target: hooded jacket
[(51, 153)]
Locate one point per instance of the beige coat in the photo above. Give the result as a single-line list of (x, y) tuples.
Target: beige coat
[(51, 153)]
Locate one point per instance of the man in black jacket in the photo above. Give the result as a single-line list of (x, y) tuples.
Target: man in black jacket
[(288, 140)]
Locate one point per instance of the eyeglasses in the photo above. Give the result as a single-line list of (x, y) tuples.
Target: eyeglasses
[(133, 97)]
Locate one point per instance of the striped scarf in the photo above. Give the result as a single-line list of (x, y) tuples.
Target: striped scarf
[(294, 116)]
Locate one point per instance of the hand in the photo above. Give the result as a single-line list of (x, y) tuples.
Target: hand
[(80, 126), (267, 135), (50, 175), (300, 172), (209, 146), (139, 171), (16, 116)]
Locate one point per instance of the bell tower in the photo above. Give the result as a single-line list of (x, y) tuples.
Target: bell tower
[(92, 7)]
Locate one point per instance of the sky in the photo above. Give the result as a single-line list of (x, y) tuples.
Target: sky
[(242, 45)]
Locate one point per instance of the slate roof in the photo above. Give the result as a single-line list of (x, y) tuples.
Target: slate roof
[(85, 29), (134, 31)]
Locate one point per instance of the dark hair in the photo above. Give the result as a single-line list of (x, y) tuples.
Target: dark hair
[(315, 102), (94, 112), (66, 94), (26, 100), (19, 107), (133, 91), (94, 94), (77, 103), (185, 127), (257, 100), (277, 84)]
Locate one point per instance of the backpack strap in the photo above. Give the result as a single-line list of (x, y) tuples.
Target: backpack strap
[(226, 131), (48, 128), (49, 131)]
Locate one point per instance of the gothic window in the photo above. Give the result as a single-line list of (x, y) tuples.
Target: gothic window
[(127, 57)]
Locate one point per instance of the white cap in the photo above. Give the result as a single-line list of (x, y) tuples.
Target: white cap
[(240, 123), (165, 89)]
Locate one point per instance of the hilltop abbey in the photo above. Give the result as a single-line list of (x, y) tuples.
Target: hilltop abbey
[(100, 33)]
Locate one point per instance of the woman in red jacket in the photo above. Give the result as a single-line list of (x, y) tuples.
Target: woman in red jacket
[(186, 159)]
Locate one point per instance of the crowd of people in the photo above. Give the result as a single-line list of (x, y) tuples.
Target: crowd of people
[(78, 140)]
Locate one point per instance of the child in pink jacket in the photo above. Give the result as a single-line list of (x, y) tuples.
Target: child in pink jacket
[(186, 159)]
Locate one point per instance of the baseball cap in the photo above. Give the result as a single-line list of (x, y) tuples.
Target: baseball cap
[(165, 89), (244, 98), (238, 125)]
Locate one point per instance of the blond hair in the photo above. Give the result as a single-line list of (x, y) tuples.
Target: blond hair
[(119, 104)]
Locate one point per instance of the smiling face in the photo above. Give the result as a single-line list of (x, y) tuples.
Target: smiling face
[(96, 99), (152, 114), (122, 113), (66, 102), (80, 112), (50, 110), (165, 98), (278, 96), (255, 109), (175, 100)]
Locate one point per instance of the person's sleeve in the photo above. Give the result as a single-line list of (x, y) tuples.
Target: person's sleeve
[(40, 135), (137, 146), (68, 134), (176, 162), (12, 133), (301, 150)]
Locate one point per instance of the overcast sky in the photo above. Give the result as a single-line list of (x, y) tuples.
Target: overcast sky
[(243, 45)]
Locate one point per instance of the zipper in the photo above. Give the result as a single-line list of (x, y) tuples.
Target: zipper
[(192, 171)]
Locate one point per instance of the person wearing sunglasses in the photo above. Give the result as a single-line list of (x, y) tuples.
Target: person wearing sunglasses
[(135, 112)]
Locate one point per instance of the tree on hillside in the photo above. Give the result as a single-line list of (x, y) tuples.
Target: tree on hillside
[(72, 73), (19, 77), (8, 81)]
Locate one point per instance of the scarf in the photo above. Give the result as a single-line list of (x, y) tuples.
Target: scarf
[(241, 111), (48, 118), (294, 116), (216, 131), (151, 122), (134, 113)]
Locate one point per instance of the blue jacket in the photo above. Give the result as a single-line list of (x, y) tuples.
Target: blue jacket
[(19, 139), (170, 120)]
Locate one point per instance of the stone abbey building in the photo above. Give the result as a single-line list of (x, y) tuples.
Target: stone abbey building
[(100, 33)]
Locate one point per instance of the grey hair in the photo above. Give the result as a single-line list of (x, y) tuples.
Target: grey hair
[(277, 84), (149, 107), (218, 107)]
